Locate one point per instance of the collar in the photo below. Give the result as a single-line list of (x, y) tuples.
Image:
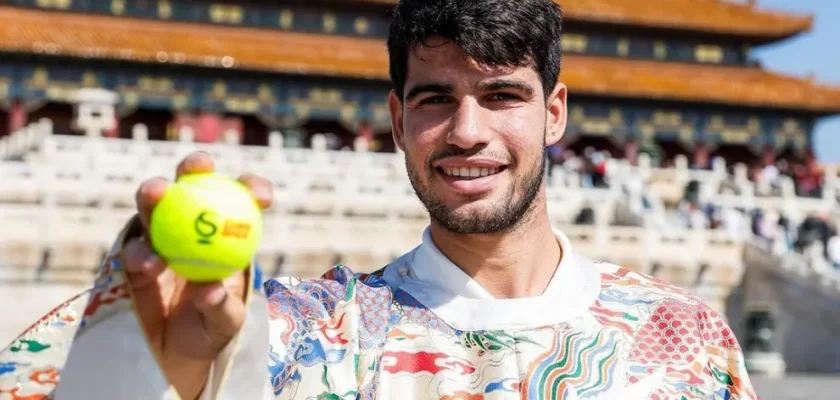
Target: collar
[(436, 282)]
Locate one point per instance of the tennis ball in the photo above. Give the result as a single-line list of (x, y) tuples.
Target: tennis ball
[(206, 227)]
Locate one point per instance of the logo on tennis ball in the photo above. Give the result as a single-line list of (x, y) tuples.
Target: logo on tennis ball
[(206, 228), (236, 229)]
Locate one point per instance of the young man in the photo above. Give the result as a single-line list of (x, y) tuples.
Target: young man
[(492, 304)]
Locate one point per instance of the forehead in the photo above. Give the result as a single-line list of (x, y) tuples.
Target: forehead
[(442, 61)]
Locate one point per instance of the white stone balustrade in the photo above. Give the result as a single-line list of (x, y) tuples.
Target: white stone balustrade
[(139, 158), (66, 182), (153, 157), (34, 227), (19, 143), (332, 191)]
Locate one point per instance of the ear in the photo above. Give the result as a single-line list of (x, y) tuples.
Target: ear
[(556, 114), (395, 107)]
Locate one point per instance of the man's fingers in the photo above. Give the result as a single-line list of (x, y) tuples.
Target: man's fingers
[(144, 271), (152, 190), (141, 263), (222, 311), (198, 162), (148, 196), (261, 189)]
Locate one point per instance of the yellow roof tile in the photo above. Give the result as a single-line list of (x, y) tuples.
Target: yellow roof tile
[(79, 35)]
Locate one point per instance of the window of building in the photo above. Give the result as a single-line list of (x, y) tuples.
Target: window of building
[(708, 54), (574, 43)]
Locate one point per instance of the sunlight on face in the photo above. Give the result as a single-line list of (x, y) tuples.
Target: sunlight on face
[(474, 138)]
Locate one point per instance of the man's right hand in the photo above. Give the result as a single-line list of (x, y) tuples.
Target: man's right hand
[(187, 324)]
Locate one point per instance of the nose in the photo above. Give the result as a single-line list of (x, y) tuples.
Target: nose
[(468, 127)]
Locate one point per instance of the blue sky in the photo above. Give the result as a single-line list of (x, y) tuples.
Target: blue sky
[(815, 52)]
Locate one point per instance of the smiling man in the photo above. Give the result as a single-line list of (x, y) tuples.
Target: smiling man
[(492, 304)]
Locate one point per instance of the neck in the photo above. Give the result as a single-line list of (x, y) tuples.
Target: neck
[(519, 263)]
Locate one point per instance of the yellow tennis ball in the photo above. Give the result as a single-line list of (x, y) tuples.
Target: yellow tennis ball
[(206, 227)]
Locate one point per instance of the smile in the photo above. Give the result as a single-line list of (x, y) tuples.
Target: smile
[(469, 172), (471, 180)]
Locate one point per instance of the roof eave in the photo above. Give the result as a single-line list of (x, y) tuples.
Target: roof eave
[(795, 25), (377, 77), (814, 111)]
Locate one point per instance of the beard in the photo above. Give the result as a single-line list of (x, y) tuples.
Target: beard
[(503, 216)]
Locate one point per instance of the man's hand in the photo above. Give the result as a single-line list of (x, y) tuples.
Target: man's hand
[(188, 324)]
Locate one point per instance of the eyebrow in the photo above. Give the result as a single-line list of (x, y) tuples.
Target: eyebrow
[(490, 86), (437, 88), (502, 84)]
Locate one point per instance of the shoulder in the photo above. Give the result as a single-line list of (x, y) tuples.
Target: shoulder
[(339, 284), (319, 298), (311, 321), (672, 331), (664, 310), (647, 289)]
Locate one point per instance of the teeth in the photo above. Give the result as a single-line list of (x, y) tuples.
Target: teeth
[(470, 172)]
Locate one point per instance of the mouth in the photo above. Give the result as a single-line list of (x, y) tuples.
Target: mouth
[(471, 181), (469, 173)]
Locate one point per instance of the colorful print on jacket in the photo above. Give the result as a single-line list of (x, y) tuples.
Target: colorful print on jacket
[(642, 339), (352, 336)]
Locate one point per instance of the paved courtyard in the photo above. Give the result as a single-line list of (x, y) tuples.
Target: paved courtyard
[(798, 387)]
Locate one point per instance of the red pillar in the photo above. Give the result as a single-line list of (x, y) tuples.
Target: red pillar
[(701, 156), (209, 128), (17, 116), (113, 133), (631, 151)]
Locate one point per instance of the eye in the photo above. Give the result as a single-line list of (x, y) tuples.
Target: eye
[(501, 96), (435, 100)]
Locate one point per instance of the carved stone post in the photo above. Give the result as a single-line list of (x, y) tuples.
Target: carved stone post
[(96, 111)]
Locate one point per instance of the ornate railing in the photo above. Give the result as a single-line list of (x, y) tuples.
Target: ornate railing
[(341, 202), (23, 141)]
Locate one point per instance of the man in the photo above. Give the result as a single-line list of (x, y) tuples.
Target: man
[(493, 304)]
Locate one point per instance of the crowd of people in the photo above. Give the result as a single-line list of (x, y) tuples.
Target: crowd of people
[(807, 177), (591, 165), (816, 235)]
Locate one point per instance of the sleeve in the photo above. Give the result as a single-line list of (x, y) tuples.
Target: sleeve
[(693, 350), (95, 345), (725, 358)]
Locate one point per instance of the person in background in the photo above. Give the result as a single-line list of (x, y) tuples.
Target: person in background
[(556, 154)]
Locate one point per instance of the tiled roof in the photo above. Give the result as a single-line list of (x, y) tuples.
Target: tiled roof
[(698, 83), (718, 16), (25, 30), (29, 31)]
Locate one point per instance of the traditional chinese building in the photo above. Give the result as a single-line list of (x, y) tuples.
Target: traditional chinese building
[(667, 76)]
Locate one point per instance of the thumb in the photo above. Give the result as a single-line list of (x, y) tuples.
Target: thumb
[(223, 313)]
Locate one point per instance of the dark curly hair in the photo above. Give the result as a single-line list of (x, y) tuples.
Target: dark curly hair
[(491, 32)]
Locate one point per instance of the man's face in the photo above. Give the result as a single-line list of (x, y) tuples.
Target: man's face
[(474, 137)]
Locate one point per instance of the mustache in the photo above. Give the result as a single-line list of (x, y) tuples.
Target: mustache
[(459, 152)]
